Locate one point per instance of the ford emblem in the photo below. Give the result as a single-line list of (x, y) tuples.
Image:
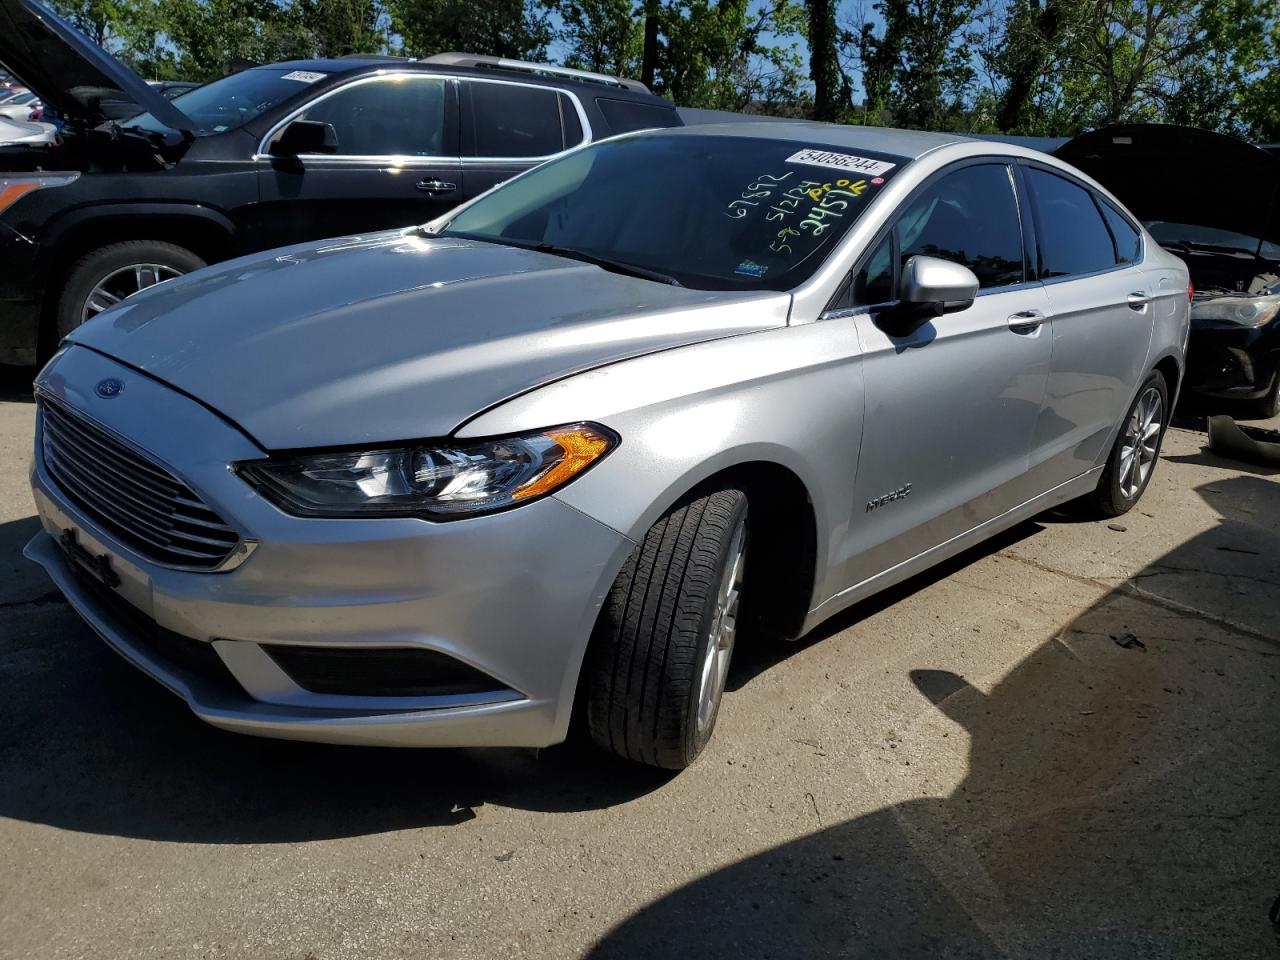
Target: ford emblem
[(108, 388)]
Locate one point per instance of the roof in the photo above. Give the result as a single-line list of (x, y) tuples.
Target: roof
[(903, 143), (358, 63)]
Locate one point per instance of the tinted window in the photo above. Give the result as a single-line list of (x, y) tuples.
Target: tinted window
[(507, 120), (874, 281), (572, 125), (1073, 238), (969, 217), (1128, 241), (391, 117), (715, 212), (623, 116)]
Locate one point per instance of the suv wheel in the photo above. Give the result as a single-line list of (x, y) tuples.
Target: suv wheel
[(1136, 451), (106, 276), (660, 653)]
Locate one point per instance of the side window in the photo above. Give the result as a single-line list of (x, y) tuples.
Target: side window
[(623, 116), (873, 283), (1128, 242), (1073, 237), (393, 116), (970, 217), (510, 120)]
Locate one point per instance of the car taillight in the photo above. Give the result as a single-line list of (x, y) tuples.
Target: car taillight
[(15, 187), (1191, 292)]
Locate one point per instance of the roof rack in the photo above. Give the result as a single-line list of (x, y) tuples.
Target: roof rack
[(453, 59)]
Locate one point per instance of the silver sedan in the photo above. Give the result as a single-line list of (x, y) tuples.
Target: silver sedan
[(542, 461)]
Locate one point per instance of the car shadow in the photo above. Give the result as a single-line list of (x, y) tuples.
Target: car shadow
[(1118, 799), (88, 743), (15, 383)]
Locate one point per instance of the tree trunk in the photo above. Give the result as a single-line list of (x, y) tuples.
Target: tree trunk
[(824, 69)]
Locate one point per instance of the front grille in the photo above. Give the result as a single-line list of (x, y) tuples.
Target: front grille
[(379, 671), (192, 656), (133, 498)]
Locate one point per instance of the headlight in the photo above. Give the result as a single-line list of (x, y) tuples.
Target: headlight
[(442, 480), (1241, 311)]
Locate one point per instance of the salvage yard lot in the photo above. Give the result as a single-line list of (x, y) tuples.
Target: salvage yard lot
[(1062, 744)]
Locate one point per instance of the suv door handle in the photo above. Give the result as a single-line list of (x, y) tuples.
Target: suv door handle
[(1026, 321), (435, 188), (1138, 300)]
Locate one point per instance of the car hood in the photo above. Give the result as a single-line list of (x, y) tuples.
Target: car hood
[(70, 72), (26, 132), (399, 337), (1183, 175)]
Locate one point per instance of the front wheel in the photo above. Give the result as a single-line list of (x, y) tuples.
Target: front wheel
[(1137, 448), (659, 655), (103, 277)]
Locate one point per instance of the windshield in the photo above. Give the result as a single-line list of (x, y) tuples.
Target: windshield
[(1210, 237), (713, 212), (235, 100)]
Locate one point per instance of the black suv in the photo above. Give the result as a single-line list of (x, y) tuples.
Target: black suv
[(269, 156)]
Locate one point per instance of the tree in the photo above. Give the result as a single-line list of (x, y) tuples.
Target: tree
[(340, 27), (502, 28), (601, 35), (824, 65)]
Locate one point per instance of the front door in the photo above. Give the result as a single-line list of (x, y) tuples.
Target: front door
[(951, 408), (396, 163)]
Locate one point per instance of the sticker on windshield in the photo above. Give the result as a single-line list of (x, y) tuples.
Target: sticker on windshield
[(749, 268), (305, 76), (841, 161)]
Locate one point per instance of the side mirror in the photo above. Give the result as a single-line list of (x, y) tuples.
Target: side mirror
[(305, 136), (940, 284)]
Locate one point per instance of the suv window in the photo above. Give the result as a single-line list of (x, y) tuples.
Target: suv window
[(1128, 241), (624, 116), (512, 120), (397, 116), (1073, 237)]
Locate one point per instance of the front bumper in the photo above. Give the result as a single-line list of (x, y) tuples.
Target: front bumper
[(513, 595), (1232, 362)]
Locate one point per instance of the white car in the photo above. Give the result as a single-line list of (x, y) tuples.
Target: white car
[(27, 133)]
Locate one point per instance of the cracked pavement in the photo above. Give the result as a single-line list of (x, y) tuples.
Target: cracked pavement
[(969, 766)]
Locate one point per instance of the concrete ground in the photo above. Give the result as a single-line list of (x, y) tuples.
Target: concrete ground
[(1063, 744)]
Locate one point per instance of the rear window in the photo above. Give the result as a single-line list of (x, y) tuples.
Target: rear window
[(1073, 238), (513, 120), (624, 116)]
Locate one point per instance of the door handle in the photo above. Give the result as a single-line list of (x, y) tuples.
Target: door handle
[(435, 188), (1026, 321), (1138, 300)]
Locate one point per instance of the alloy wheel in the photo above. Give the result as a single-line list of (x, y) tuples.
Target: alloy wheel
[(124, 283), (724, 626), (1141, 442)]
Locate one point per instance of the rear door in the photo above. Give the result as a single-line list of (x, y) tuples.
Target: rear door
[(1102, 321), (510, 126), (396, 163), (950, 409)]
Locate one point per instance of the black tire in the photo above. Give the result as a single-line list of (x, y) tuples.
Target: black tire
[(643, 675), (1110, 498), (94, 267)]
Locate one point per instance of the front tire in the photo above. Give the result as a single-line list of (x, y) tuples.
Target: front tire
[(660, 652), (1136, 451), (104, 277)]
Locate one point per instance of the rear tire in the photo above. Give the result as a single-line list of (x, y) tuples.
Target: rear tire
[(1136, 451), (660, 651), (111, 273)]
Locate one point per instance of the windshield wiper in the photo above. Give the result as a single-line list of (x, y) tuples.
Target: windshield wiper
[(1206, 247), (605, 263)]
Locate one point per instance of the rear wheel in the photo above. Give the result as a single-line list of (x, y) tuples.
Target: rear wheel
[(1136, 450), (660, 652), (106, 276)]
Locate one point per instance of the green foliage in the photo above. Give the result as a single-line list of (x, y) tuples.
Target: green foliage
[(504, 28), (1041, 67)]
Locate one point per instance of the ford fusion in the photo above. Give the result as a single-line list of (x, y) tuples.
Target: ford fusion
[(539, 462)]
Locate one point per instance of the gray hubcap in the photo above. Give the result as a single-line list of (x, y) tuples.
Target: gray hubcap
[(123, 283), (724, 624), (1141, 442)]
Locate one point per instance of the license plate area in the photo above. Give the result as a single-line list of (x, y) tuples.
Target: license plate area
[(95, 565)]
